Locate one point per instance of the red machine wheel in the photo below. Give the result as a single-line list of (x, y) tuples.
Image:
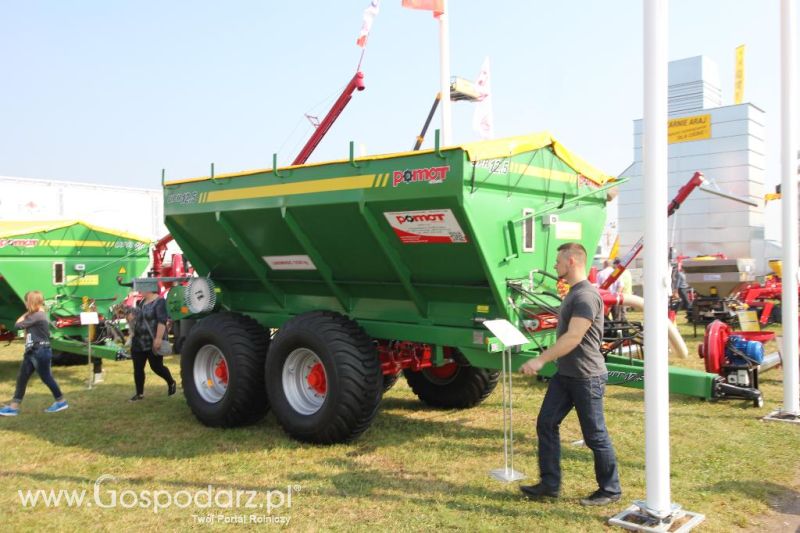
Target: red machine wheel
[(713, 347), (323, 378), (221, 369), (443, 373), (452, 386)]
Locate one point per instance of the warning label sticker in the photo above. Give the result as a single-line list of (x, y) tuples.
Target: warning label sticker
[(429, 226), (82, 281), (289, 262)]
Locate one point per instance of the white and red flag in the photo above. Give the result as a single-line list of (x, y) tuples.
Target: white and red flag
[(369, 16), (483, 117), (437, 6)]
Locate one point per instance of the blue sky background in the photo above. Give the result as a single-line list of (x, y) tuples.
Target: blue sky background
[(111, 92)]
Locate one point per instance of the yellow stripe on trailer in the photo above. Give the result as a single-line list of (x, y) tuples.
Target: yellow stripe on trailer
[(287, 189), (89, 244)]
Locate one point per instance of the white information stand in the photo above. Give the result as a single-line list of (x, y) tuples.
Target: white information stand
[(89, 320), (510, 337)]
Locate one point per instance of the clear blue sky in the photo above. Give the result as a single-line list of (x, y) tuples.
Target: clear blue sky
[(111, 92)]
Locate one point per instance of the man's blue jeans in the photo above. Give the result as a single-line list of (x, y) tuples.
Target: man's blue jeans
[(36, 359), (586, 396)]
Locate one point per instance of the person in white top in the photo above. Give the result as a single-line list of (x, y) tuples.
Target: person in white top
[(602, 276)]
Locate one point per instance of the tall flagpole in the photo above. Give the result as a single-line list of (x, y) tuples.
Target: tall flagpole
[(444, 59), (658, 503), (656, 372), (789, 147)]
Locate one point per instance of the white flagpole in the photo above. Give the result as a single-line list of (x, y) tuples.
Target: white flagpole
[(658, 503), (444, 59), (656, 281), (789, 147)]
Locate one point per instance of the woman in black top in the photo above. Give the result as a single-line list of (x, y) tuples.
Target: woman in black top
[(149, 321), (38, 355)]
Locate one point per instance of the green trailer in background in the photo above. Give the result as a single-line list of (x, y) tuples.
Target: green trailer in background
[(74, 265), (374, 266)]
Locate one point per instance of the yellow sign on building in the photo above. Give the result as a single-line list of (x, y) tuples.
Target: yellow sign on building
[(738, 84), (686, 129)]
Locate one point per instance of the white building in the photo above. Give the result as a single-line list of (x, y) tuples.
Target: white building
[(136, 211), (727, 145)]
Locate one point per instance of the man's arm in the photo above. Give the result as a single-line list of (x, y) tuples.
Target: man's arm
[(567, 342)]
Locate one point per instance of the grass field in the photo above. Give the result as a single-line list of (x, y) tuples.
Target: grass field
[(415, 469)]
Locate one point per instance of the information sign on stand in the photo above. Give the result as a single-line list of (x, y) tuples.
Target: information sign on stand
[(510, 337)]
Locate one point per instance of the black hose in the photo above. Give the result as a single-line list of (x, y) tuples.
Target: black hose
[(534, 298)]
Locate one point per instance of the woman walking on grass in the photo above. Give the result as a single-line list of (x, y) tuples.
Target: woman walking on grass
[(149, 328), (38, 355)]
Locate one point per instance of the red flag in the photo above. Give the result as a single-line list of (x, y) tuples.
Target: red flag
[(366, 25), (437, 6)]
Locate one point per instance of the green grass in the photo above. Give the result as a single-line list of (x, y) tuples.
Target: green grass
[(415, 469)]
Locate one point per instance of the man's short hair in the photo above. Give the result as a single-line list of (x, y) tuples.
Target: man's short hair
[(574, 249)]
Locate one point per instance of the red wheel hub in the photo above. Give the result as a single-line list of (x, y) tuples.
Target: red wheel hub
[(443, 372), (316, 379), (221, 371)]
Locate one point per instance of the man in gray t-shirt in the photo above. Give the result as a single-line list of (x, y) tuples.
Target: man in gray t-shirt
[(585, 360), (580, 383)]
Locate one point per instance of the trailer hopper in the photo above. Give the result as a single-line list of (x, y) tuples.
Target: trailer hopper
[(367, 267), (72, 263)]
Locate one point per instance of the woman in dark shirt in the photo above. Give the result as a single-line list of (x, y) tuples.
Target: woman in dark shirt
[(149, 326), (38, 355)]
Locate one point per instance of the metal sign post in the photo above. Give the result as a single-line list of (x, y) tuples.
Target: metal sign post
[(510, 337), (90, 319)]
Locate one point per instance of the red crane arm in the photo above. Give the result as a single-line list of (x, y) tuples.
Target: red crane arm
[(685, 191), (676, 202), (357, 83)]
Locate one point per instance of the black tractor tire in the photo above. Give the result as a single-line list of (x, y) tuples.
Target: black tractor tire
[(68, 359), (466, 388), (243, 343), (353, 382)]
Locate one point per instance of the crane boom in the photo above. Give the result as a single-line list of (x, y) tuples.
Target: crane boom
[(356, 83), (696, 181)]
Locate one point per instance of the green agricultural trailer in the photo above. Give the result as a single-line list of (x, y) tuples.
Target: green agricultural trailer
[(75, 266), (365, 268)]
